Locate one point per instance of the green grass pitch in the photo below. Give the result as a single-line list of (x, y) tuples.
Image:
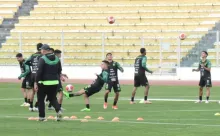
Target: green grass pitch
[(162, 118)]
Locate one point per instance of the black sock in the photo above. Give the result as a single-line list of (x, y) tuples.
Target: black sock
[(132, 99), (31, 104), (25, 100), (50, 105), (200, 98), (36, 104), (60, 105), (71, 95), (115, 102), (29, 101), (207, 98), (87, 106), (145, 98), (106, 98)]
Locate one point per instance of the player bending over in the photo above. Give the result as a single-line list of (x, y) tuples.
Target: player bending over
[(95, 87), (26, 74), (140, 78), (205, 76), (113, 81)]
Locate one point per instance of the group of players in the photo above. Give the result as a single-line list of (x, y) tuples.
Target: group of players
[(108, 76), (29, 69)]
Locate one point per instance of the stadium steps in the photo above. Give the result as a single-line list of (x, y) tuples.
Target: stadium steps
[(207, 42), (9, 23)]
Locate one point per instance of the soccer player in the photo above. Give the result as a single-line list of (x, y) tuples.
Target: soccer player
[(205, 76), (33, 62), (140, 78), (113, 82), (25, 73), (95, 87)]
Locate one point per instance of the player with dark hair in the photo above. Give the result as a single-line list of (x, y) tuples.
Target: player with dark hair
[(113, 81), (140, 78), (33, 62), (25, 73), (205, 76), (95, 87)]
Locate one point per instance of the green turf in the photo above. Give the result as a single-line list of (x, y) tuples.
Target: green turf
[(162, 118)]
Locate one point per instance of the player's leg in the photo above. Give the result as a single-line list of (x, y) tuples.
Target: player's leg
[(117, 90), (86, 98), (60, 95), (108, 88), (51, 94), (41, 94), (208, 87), (201, 85), (136, 85), (79, 93), (144, 82)]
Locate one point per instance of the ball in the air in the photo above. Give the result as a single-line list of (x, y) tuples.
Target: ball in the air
[(182, 36), (111, 20), (69, 88)]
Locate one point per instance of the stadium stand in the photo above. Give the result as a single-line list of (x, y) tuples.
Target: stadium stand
[(83, 24)]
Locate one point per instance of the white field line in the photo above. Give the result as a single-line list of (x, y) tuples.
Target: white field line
[(159, 99), (131, 122), (10, 99)]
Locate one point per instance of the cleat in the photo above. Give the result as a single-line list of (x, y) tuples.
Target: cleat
[(206, 102), (147, 102), (115, 107), (59, 116), (86, 109), (105, 105), (42, 119), (25, 104), (132, 102), (62, 109), (31, 109), (198, 101), (217, 114), (66, 94), (35, 109), (50, 108)]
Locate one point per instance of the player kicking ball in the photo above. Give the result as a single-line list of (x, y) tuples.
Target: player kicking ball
[(95, 87), (113, 83), (140, 78), (205, 76)]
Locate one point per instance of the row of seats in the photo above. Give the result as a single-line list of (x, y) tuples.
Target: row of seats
[(84, 24)]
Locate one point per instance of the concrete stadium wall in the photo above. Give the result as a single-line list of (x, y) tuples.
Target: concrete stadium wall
[(88, 72)]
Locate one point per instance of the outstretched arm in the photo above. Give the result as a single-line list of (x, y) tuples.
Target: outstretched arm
[(144, 65), (27, 71), (119, 67)]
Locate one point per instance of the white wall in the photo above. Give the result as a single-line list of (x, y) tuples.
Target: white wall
[(87, 72)]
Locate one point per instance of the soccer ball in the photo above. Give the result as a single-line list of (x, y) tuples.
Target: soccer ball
[(182, 36), (111, 20), (69, 88)]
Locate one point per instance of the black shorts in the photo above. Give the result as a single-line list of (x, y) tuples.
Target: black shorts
[(140, 81), (115, 85), (33, 77), (60, 87), (205, 82), (91, 89), (26, 83)]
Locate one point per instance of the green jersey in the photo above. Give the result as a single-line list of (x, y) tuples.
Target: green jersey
[(204, 73), (113, 71), (140, 65), (101, 79)]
